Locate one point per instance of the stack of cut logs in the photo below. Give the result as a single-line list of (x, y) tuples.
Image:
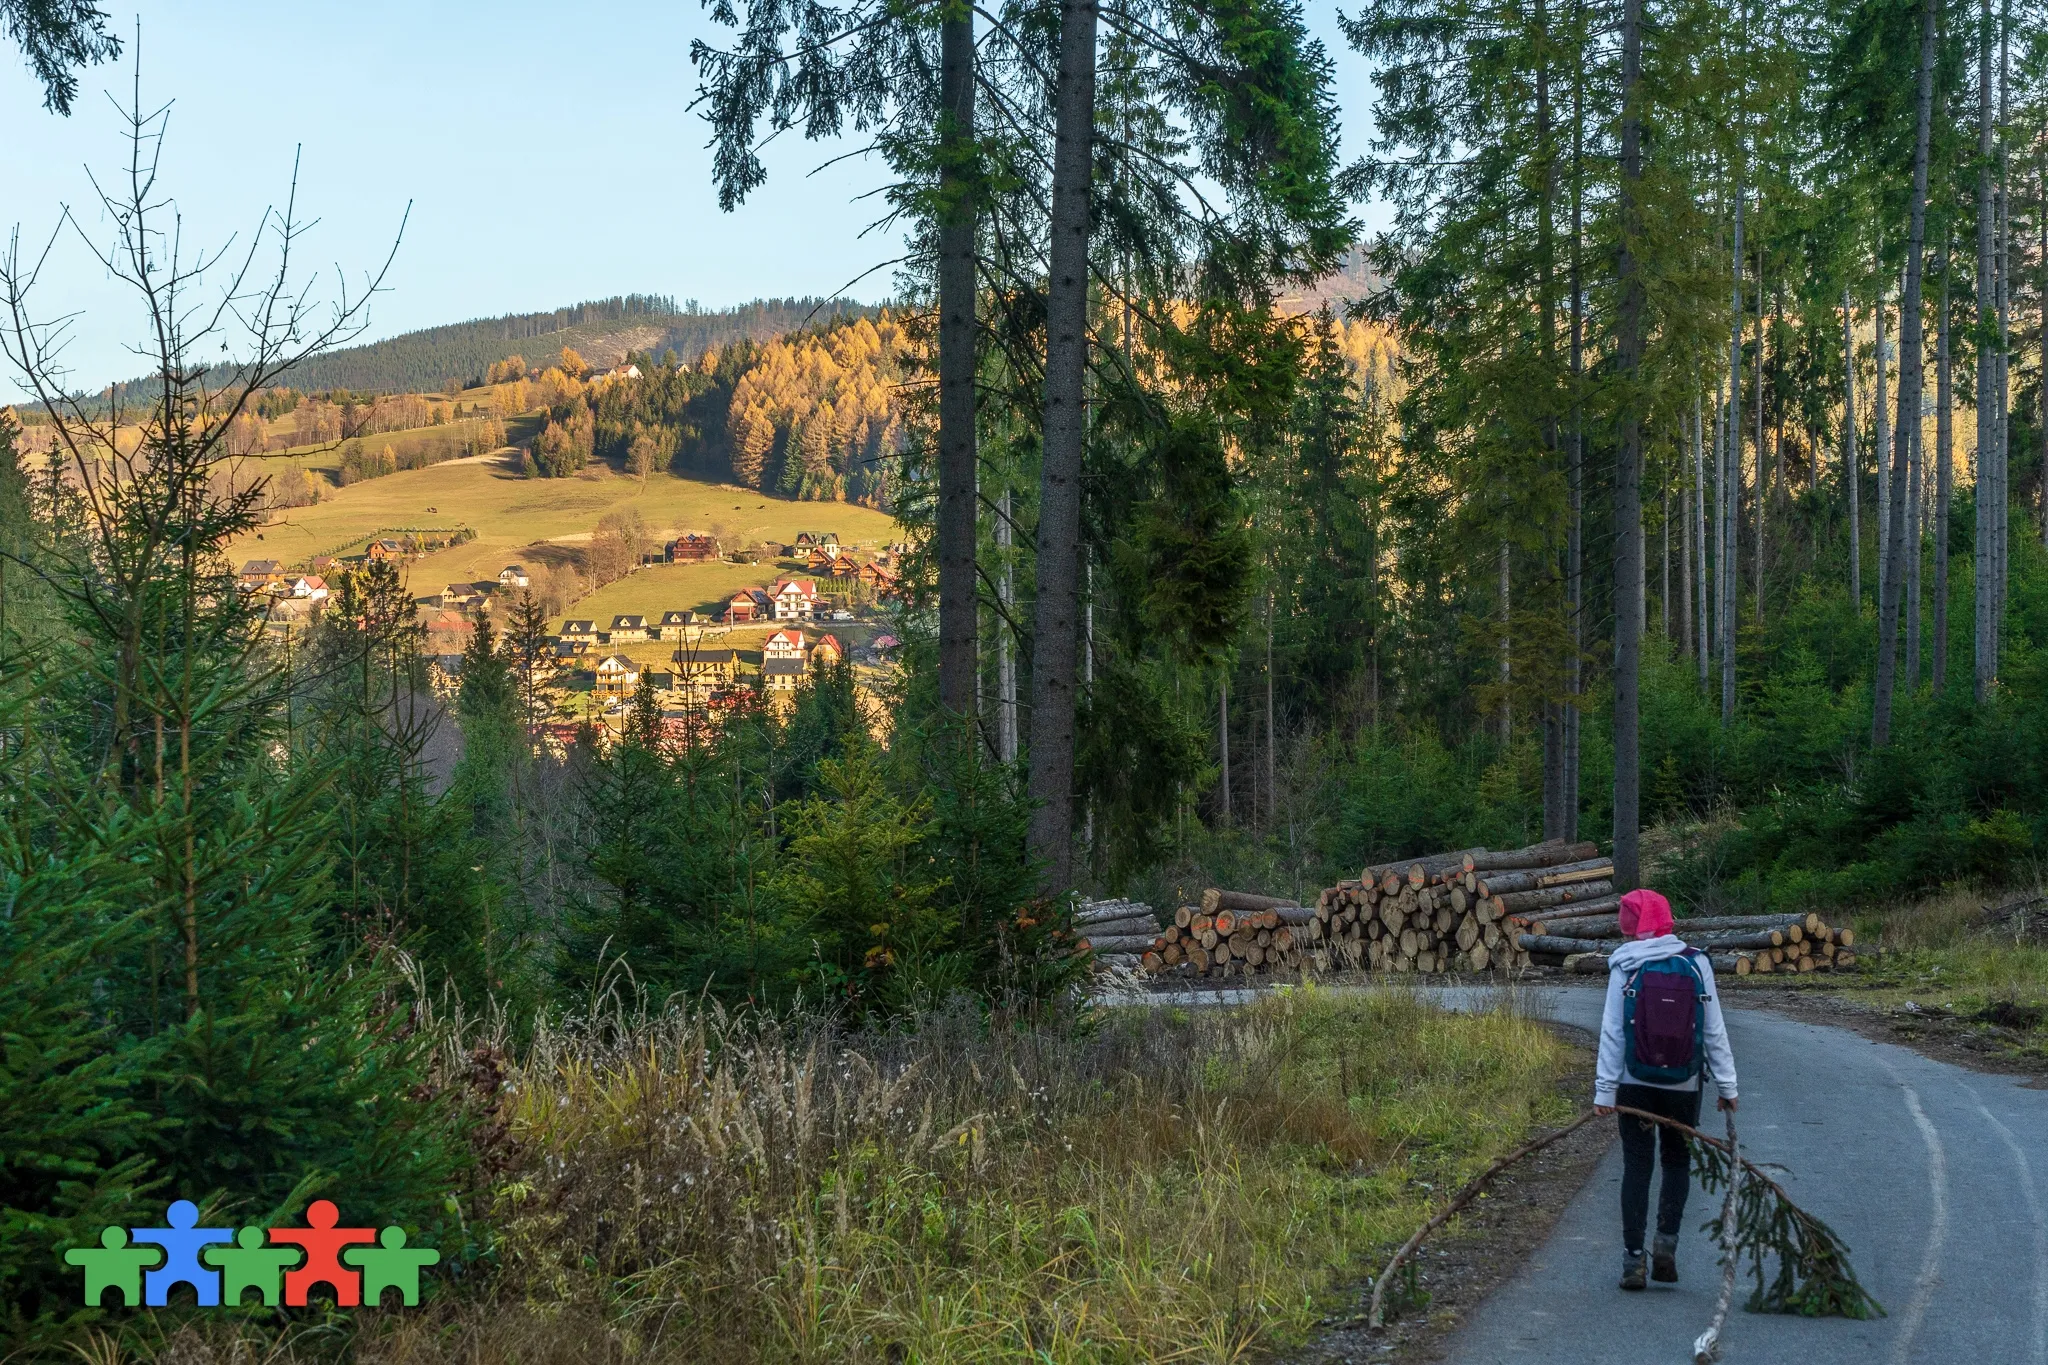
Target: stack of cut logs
[(1450, 911), (1115, 933), (1743, 944), (1232, 933)]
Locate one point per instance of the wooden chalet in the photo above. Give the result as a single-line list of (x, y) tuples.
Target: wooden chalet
[(617, 676), (692, 549)]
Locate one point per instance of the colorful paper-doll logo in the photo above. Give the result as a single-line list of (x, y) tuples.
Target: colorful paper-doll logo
[(280, 1265)]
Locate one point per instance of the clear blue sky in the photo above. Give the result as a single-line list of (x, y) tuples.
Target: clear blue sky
[(547, 151)]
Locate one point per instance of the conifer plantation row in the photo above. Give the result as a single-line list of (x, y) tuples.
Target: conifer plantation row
[(1677, 488)]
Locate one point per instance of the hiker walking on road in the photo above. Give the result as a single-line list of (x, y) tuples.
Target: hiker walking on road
[(1661, 1028)]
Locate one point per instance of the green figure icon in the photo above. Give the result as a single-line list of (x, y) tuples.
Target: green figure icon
[(249, 1264), (393, 1265), (113, 1264)]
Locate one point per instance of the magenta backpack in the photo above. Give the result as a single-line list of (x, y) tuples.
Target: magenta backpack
[(1664, 1020)]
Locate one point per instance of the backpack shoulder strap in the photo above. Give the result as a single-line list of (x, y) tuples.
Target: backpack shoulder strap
[(1691, 957)]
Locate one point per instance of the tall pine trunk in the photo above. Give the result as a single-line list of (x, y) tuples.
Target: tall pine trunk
[(1761, 490), (1728, 494), (1066, 431), (1664, 569), (959, 601), (1911, 360), (1628, 466), (1699, 540), (2001, 506), (1006, 647), (1985, 623), (1883, 443), (1944, 462), (1272, 767), (1914, 534), (1731, 476), (1507, 661), (1575, 467), (1852, 472), (1223, 743)]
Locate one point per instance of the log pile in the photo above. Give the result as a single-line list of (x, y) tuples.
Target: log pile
[(1232, 933), (1115, 933), (1747, 945), (1452, 912)]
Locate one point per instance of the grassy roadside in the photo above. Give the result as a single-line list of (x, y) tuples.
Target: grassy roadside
[(1945, 972), (1143, 1185)]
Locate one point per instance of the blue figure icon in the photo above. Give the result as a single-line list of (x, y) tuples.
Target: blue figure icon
[(181, 1242)]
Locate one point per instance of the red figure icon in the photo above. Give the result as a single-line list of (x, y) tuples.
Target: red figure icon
[(323, 1243)]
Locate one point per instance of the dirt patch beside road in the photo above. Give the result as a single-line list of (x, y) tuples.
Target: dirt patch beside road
[(1995, 1039)]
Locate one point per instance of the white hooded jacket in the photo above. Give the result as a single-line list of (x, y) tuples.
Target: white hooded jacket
[(1621, 965)]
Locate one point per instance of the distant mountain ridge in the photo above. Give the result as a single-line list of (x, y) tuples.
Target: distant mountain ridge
[(602, 331)]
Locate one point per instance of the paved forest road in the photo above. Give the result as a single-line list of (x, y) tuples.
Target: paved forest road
[(1936, 1178)]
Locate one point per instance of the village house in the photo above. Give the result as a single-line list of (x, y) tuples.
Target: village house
[(796, 599), (259, 574), (707, 665), (455, 595), (877, 578), (384, 547), (568, 650), (312, 587), (806, 540), (676, 625), (628, 629), (692, 549), (289, 611), (781, 675), (827, 650), (785, 644), (448, 635), (514, 576), (749, 604), (818, 560), (580, 631), (616, 677), (843, 565)]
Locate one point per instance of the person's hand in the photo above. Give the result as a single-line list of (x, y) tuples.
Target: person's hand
[(1603, 1110), (1726, 1102)]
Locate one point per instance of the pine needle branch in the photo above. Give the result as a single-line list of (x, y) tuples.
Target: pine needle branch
[(1814, 1277)]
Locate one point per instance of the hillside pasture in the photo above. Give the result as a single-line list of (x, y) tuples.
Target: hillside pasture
[(515, 518)]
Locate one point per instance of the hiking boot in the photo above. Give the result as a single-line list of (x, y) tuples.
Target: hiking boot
[(1664, 1260), (1632, 1268)]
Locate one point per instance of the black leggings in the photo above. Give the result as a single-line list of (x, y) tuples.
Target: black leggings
[(1640, 1146)]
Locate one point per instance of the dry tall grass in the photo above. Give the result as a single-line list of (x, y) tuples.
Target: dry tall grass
[(1942, 950), (1144, 1184)]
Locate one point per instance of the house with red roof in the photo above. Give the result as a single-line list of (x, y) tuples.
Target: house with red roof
[(796, 599)]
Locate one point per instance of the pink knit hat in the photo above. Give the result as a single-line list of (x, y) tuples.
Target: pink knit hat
[(1645, 914)]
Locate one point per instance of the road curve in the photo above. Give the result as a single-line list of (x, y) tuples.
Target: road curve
[(1935, 1177)]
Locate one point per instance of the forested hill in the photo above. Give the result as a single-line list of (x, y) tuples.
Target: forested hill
[(602, 331)]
